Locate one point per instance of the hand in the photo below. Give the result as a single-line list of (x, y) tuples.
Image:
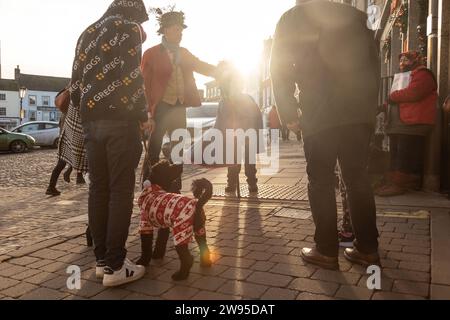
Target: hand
[(149, 125), (294, 126)]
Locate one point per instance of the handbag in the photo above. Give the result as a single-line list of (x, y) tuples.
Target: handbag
[(62, 100)]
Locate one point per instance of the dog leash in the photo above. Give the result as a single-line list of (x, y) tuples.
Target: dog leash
[(146, 163)]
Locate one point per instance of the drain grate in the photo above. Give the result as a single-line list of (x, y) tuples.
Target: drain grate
[(294, 213), (267, 192)]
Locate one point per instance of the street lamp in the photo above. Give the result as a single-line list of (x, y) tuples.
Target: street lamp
[(22, 94)]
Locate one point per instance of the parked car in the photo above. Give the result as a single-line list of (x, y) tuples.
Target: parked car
[(46, 133), (15, 142), (199, 117)]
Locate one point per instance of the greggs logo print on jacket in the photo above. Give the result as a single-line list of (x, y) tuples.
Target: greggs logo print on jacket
[(106, 79)]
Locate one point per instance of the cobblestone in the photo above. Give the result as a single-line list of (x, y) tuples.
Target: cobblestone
[(256, 254)]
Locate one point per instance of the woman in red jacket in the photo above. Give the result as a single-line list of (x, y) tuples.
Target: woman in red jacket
[(411, 117)]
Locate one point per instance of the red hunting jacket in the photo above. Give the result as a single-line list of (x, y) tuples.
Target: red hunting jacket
[(418, 101), (157, 70)]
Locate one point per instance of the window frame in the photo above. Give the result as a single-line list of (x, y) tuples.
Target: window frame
[(35, 100), (44, 98)]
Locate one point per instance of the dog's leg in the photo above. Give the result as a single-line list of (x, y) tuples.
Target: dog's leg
[(89, 240), (205, 256), (161, 243), (187, 260), (146, 247), (200, 237)]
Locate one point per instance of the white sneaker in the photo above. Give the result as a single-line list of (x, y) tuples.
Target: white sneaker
[(129, 273), (100, 269)]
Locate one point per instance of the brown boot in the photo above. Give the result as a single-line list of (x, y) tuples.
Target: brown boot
[(390, 191), (411, 181)]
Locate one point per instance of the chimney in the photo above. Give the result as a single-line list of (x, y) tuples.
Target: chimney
[(17, 73)]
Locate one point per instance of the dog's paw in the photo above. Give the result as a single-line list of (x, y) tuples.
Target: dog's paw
[(184, 271), (205, 261), (180, 276)]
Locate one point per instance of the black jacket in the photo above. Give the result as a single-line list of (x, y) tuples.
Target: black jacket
[(326, 50), (243, 113), (106, 76)]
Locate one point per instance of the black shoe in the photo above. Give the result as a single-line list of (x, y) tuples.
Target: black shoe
[(253, 188), (353, 255), (52, 192), (80, 179), (313, 256), (230, 189), (66, 176)]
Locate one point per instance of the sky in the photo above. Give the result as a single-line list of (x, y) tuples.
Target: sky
[(40, 35)]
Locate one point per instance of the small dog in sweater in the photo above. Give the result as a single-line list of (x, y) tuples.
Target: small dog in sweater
[(169, 211)]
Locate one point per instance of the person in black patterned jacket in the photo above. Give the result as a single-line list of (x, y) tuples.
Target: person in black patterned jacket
[(108, 88)]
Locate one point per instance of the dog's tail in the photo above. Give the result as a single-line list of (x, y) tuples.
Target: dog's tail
[(202, 190)]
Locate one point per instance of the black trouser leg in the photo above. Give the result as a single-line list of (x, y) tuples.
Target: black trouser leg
[(98, 191), (56, 172), (114, 151), (321, 154), (411, 154), (168, 118), (359, 190), (233, 175)]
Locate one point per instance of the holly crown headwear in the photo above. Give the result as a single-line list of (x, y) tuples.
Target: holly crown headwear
[(168, 17), (414, 56)]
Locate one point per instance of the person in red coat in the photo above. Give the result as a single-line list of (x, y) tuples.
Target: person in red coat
[(411, 117), (275, 123), (168, 71)]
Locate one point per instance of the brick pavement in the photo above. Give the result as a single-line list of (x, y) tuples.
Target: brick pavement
[(255, 253)]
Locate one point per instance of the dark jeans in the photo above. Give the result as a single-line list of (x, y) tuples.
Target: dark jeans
[(407, 153), (57, 172), (114, 150), (168, 118), (250, 173), (349, 145)]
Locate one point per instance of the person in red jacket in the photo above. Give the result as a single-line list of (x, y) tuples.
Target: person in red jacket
[(168, 71), (411, 117), (275, 123)]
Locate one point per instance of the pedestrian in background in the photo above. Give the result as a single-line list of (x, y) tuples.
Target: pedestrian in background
[(71, 150), (411, 117), (238, 111)]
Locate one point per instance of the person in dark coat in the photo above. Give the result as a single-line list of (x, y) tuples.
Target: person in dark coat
[(238, 111), (108, 88), (326, 50)]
